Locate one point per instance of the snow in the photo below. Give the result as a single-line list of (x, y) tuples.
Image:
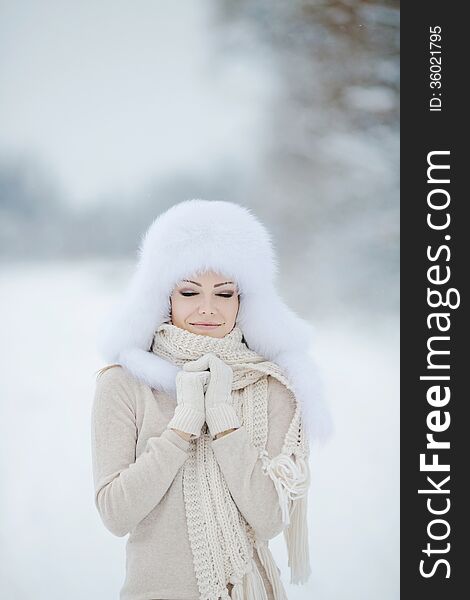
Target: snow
[(53, 543)]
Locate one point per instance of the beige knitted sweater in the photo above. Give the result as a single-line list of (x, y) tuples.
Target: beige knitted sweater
[(138, 481)]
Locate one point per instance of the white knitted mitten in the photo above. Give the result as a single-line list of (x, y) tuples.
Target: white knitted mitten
[(220, 414), (189, 413)]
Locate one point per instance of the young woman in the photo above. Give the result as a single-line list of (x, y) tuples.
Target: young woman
[(201, 428)]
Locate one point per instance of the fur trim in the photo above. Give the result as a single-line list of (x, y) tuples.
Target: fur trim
[(189, 238)]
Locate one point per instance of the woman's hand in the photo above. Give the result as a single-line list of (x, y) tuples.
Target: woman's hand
[(189, 416), (220, 414)]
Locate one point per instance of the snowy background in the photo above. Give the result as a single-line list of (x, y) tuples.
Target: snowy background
[(113, 111)]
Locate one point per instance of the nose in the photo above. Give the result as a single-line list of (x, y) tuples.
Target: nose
[(206, 307)]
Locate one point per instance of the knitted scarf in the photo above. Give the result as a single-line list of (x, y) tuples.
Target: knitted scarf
[(222, 541)]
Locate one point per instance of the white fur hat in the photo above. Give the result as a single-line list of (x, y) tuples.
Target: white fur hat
[(197, 235)]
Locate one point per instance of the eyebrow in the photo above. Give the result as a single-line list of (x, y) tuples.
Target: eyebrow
[(215, 284)]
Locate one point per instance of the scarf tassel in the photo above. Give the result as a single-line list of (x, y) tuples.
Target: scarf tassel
[(291, 480)]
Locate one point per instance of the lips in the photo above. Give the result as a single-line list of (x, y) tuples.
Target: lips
[(207, 324)]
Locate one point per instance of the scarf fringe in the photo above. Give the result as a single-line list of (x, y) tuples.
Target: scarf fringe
[(251, 586), (272, 570), (296, 536), (291, 479)]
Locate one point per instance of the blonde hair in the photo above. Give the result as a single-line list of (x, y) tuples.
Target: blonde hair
[(104, 369)]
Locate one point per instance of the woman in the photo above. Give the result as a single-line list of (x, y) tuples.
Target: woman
[(200, 438)]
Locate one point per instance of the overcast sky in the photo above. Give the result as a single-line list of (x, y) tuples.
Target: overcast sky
[(109, 95)]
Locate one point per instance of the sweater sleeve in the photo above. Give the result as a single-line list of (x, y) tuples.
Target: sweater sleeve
[(126, 488), (251, 488)]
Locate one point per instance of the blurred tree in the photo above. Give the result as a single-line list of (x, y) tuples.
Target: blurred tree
[(329, 180)]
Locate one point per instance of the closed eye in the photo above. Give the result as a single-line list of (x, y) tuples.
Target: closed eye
[(223, 294)]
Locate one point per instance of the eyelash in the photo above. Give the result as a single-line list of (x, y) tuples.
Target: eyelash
[(222, 295)]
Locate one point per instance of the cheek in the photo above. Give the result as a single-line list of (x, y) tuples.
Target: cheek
[(180, 306), (233, 307)]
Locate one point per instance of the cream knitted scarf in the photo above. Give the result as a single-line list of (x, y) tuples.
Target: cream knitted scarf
[(222, 541)]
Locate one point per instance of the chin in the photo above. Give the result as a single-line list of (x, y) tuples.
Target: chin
[(216, 334)]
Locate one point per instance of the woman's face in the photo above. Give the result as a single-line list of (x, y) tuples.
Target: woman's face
[(205, 298)]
